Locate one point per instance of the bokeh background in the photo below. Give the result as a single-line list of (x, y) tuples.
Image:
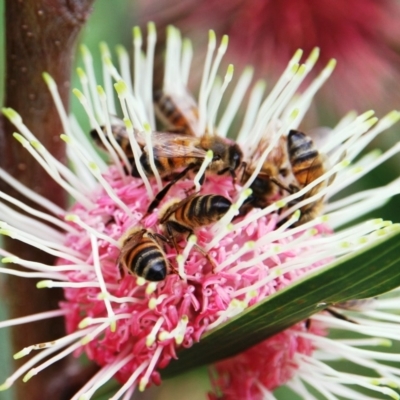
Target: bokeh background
[(112, 21)]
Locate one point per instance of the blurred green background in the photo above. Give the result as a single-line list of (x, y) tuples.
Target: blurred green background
[(111, 22)]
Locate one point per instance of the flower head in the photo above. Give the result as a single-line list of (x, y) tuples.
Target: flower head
[(132, 327)]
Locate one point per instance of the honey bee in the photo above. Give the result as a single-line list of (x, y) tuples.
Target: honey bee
[(179, 113), (195, 211), (292, 164), (307, 165), (176, 154), (142, 255)]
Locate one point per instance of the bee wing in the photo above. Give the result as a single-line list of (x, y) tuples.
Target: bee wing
[(170, 145)]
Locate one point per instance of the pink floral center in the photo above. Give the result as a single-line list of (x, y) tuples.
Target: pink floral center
[(153, 324)]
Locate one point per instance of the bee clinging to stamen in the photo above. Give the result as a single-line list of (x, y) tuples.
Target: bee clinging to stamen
[(183, 217), (178, 112)]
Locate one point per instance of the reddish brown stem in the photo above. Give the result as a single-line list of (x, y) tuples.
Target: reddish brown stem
[(40, 36)]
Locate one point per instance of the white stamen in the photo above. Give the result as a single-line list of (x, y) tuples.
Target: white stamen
[(34, 240), (33, 317), (130, 382), (77, 220), (94, 169), (150, 156), (121, 360), (100, 278), (110, 143), (152, 336), (107, 78), (148, 77), (235, 101), (52, 171), (38, 214), (187, 55), (251, 112), (212, 41), (88, 62), (30, 194), (9, 271), (218, 98), (137, 46), (145, 379), (206, 162), (30, 225)]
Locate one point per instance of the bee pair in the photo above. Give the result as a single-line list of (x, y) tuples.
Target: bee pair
[(143, 252), (290, 166)]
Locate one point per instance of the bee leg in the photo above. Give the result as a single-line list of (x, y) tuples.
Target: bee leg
[(161, 194), (339, 315), (207, 256)]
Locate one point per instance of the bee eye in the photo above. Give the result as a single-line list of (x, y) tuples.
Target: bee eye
[(284, 172)]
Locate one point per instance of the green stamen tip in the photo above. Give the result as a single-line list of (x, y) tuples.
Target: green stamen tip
[(298, 54), (66, 138), (225, 41), (137, 33), (93, 166), (250, 244), (152, 303), (101, 91), (151, 27), (186, 44), (314, 55), (280, 203), (28, 376), (113, 326), (294, 113), (193, 239), (147, 127), (331, 64), (81, 73), (393, 116), (84, 51), (84, 323), (104, 49), (294, 68), (79, 95), (4, 386), (345, 163), (86, 340), (248, 192), (302, 69), (7, 260), (211, 37), (19, 355), (20, 138), (71, 217), (36, 145), (229, 72), (120, 87), (372, 121), (121, 51), (368, 114), (296, 214), (11, 114), (128, 123), (43, 284), (48, 79), (210, 154)]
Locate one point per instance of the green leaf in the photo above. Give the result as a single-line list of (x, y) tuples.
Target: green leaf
[(366, 273)]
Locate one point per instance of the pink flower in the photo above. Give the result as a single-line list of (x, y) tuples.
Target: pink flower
[(132, 328)]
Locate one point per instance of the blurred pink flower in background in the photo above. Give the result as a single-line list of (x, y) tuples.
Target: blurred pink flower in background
[(363, 35), (133, 328)]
